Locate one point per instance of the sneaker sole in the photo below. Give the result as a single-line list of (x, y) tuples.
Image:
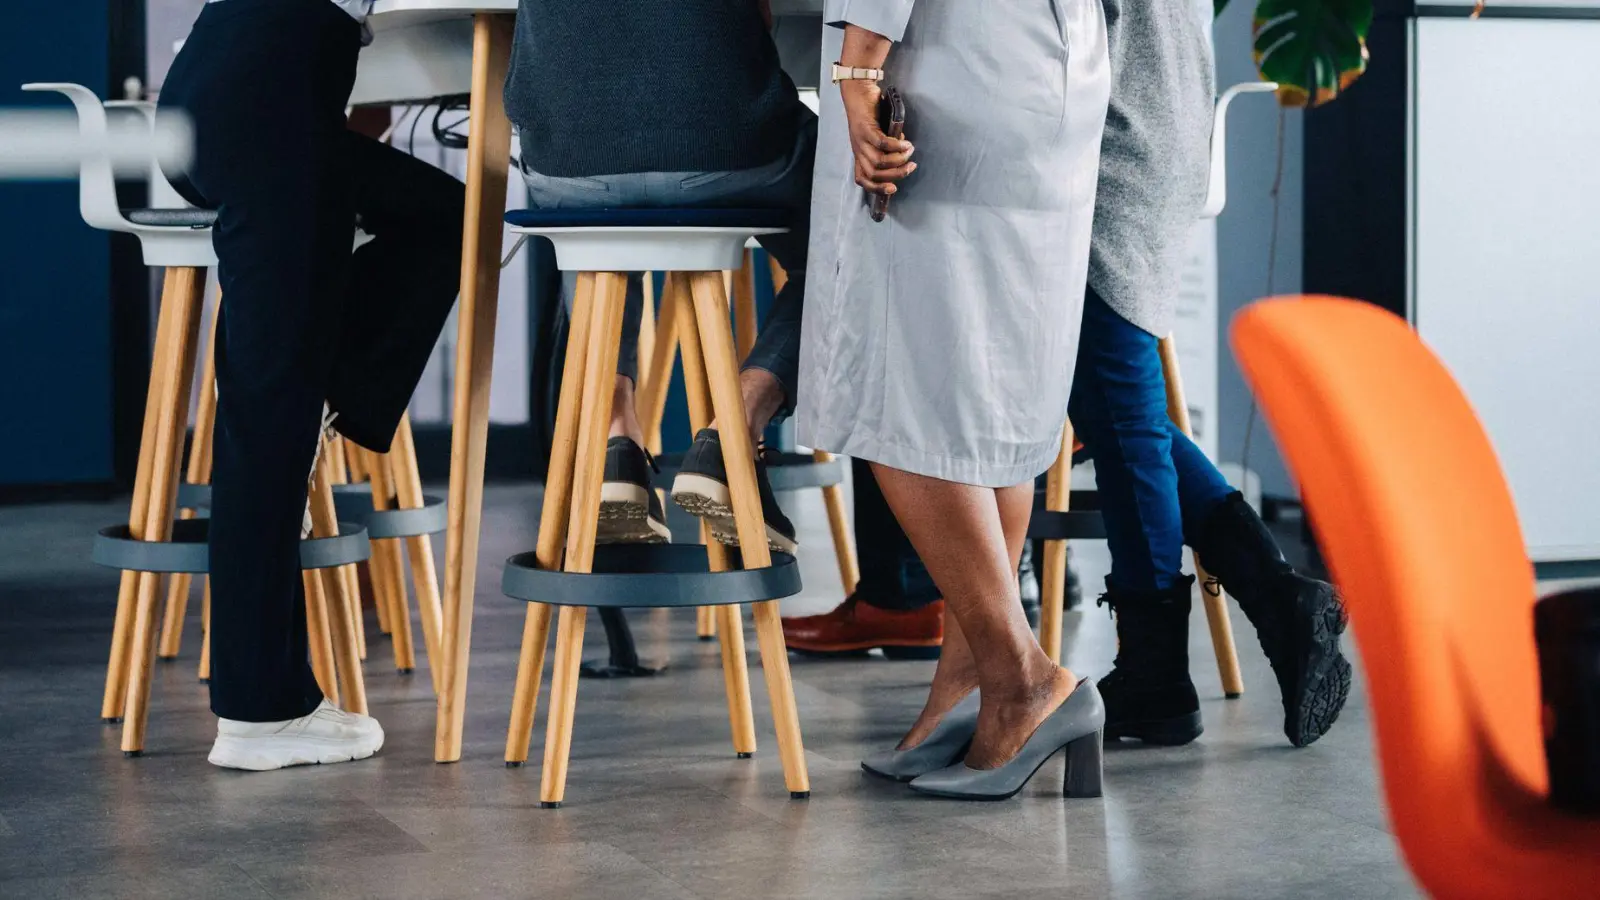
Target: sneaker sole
[(625, 516), (1326, 673), (267, 754), (709, 499)]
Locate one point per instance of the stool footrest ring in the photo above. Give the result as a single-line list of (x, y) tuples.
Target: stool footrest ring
[(188, 551), (354, 504), (637, 576)]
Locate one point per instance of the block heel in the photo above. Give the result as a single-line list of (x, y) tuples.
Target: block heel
[(1085, 766)]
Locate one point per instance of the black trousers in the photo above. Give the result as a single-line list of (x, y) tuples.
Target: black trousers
[(892, 575), (303, 320)]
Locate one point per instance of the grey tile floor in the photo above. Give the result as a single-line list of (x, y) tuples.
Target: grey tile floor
[(657, 804)]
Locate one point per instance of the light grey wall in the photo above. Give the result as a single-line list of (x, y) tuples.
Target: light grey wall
[(1244, 233), (166, 22)]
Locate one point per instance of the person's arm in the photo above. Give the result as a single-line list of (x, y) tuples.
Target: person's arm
[(870, 29)]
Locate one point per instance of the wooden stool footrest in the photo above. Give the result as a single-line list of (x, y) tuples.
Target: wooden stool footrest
[(188, 552), (633, 576)]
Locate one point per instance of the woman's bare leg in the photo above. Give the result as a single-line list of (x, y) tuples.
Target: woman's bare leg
[(959, 532), (957, 673)]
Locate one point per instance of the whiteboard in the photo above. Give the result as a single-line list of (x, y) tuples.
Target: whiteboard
[(1506, 263)]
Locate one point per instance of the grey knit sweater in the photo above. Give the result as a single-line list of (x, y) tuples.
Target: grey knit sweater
[(605, 87), (1154, 158)]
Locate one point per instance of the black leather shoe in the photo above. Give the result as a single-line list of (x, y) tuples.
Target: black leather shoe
[(1149, 695), (702, 488)]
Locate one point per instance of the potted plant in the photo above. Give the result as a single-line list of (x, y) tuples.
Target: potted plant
[(1313, 49)]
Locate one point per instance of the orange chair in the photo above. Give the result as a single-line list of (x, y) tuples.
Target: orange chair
[(1418, 527)]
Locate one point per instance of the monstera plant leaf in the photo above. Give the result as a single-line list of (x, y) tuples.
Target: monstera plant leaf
[(1312, 48)]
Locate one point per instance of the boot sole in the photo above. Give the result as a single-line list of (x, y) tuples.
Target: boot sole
[(625, 516), (1325, 678), (710, 500), (1170, 732)]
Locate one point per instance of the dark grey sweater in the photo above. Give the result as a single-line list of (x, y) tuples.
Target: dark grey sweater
[(602, 87)]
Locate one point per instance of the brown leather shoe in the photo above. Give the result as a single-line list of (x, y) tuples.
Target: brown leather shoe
[(855, 626)]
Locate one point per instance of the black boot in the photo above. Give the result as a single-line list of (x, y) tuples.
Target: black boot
[(1297, 619), (1148, 694)]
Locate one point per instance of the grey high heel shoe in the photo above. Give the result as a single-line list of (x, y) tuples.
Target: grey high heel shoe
[(946, 745), (1076, 726)]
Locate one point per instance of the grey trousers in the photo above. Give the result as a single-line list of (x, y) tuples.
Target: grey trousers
[(785, 184)]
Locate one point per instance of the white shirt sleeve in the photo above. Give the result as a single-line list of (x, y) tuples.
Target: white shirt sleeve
[(885, 17)]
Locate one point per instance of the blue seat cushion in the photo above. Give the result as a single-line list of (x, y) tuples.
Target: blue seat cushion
[(643, 217), (172, 218)]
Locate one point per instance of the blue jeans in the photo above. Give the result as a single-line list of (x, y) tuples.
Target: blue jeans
[(1155, 485), (784, 183)]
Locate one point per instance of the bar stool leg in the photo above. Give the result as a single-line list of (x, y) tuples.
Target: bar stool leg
[(844, 549), (320, 637), (652, 395), (745, 321), (424, 578), (339, 463), (204, 669), (325, 523), (735, 668), (380, 568), (386, 565), (605, 331), (1058, 498), (116, 690), (488, 161), (188, 288), (553, 517), (1215, 602), (711, 312), (199, 473)]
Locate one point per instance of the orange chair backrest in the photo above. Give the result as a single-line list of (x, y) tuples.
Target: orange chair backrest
[(1419, 530)]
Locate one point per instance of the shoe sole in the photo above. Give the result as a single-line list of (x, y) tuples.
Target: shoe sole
[(709, 499), (1324, 684), (267, 754), (625, 516), (1171, 732), (996, 798)]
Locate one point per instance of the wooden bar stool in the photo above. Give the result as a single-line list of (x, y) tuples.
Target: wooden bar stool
[(788, 472), (566, 570), (177, 237), (1056, 523)]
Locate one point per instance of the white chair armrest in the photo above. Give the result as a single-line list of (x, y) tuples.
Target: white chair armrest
[(1217, 189), (162, 194), (97, 186)]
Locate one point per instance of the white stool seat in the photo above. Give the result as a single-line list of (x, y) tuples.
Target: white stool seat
[(669, 248)]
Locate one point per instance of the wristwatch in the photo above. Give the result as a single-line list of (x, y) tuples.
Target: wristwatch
[(847, 73)]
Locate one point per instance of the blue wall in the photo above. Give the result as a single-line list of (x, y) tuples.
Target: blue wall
[(55, 334)]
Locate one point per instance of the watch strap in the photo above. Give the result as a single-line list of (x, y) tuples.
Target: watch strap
[(851, 73)]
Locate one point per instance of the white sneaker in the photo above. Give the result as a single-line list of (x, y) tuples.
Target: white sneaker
[(328, 735)]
